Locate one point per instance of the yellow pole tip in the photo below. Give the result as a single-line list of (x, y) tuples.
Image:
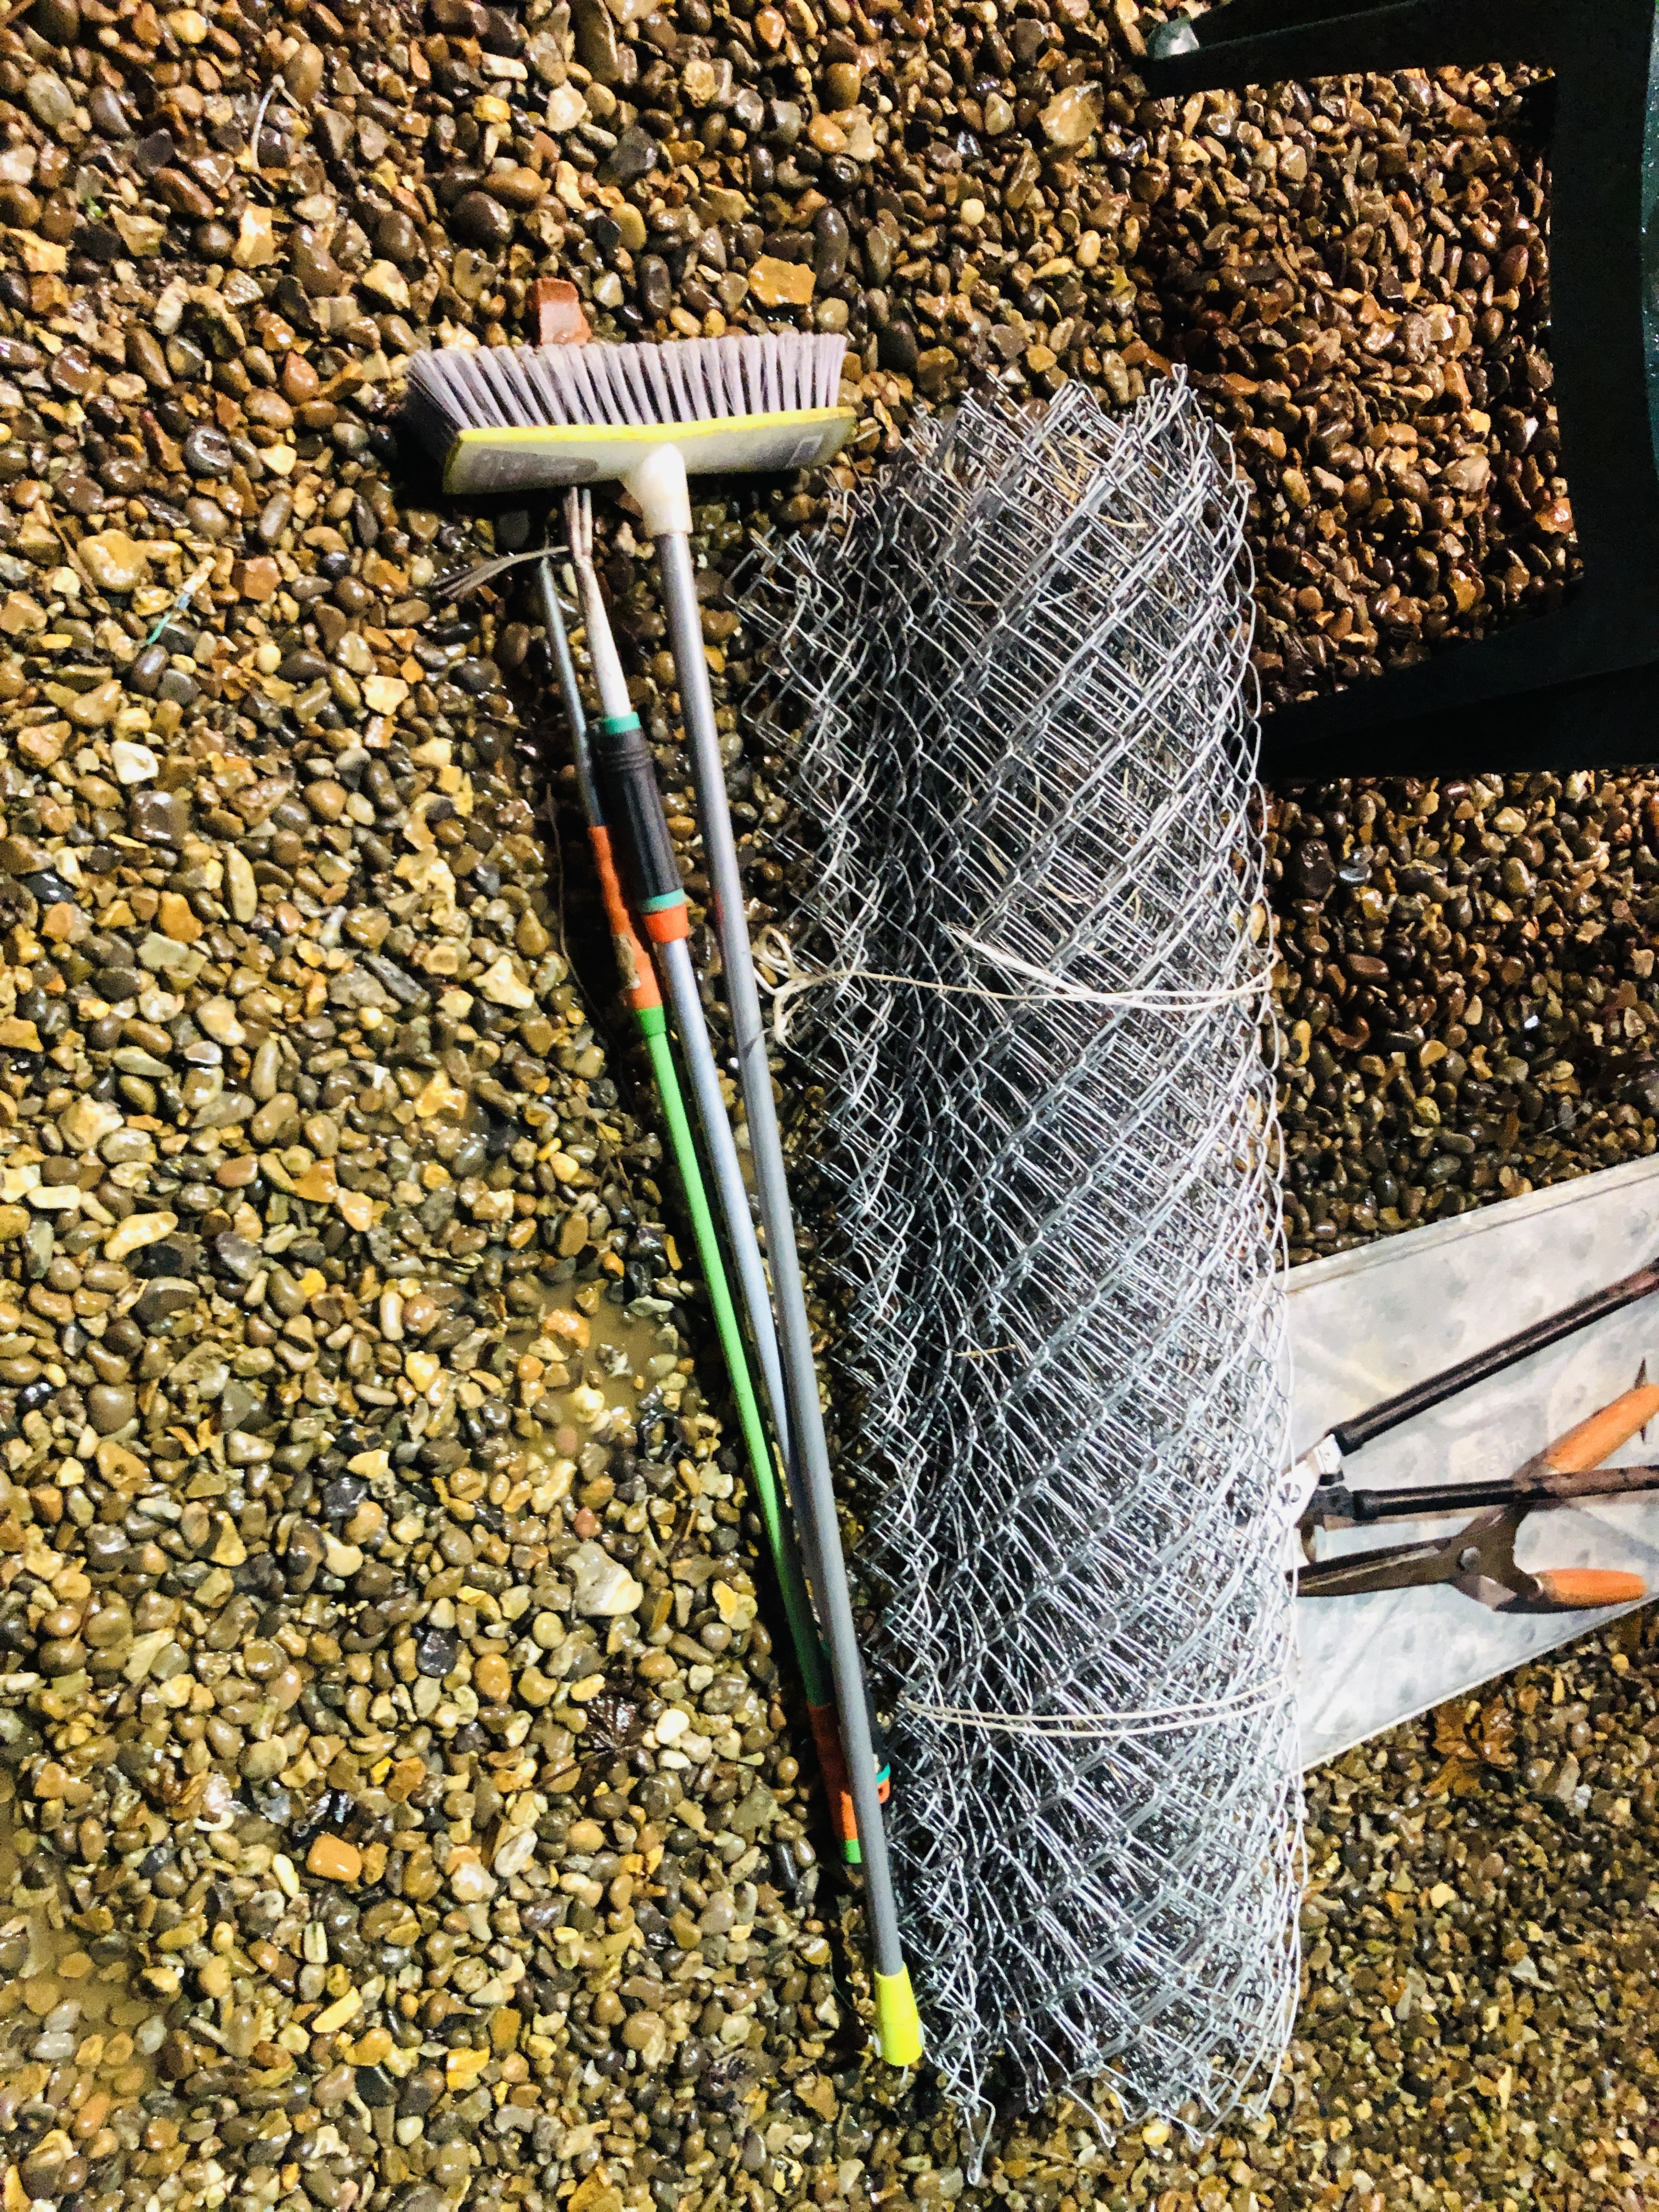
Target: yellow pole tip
[(898, 2024)]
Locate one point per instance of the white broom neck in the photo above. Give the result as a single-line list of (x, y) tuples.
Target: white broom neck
[(658, 483)]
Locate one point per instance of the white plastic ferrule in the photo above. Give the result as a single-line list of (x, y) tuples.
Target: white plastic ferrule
[(658, 482)]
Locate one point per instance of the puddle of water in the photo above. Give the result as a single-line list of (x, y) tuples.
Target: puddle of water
[(580, 1356), (581, 1359), (72, 2035)]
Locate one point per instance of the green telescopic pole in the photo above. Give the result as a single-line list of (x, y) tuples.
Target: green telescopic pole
[(803, 1628)]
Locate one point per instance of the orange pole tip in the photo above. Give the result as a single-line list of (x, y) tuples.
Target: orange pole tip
[(832, 1765), (638, 975)]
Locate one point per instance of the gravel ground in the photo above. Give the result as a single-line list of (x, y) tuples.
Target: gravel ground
[(1466, 993), (1358, 278), (400, 1799)]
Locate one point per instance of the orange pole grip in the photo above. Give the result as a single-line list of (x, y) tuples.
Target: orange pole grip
[(832, 1765), (639, 976), (664, 924), (1590, 1442), (1588, 1587)]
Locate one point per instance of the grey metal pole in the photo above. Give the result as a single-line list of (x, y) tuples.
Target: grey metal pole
[(689, 1020), (800, 1373)]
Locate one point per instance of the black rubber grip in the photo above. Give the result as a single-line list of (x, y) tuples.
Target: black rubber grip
[(633, 810), (1376, 1421), (1366, 1506)]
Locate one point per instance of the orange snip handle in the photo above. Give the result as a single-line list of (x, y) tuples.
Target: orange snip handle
[(1585, 1588), (1589, 1443)]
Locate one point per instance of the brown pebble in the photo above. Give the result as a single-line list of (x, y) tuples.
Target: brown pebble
[(299, 379), (334, 1859)]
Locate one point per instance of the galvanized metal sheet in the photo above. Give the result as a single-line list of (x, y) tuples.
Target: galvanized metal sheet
[(1364, 1324)]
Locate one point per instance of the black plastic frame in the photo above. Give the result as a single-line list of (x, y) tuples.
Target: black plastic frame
[(1579, 686)]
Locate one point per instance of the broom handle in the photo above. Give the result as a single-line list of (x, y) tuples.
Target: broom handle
[(895, 2012)]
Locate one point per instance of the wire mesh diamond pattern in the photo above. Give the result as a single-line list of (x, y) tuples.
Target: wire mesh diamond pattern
[(1011, 681)]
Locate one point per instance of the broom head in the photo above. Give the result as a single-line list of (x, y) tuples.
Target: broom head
[(513, 418)]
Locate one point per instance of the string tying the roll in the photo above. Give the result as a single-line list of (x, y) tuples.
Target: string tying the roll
[(1155, 1720), (772, 951)]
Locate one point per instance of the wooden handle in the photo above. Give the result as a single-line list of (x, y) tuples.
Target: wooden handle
[(1591, 1442), (1586, 1588)]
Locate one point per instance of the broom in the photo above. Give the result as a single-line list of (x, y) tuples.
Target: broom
[(505, 419)]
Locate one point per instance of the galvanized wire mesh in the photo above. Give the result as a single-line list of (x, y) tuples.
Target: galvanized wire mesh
[(1012, 678)]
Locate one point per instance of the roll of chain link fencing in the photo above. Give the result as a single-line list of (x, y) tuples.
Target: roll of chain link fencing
[(1023, 983)]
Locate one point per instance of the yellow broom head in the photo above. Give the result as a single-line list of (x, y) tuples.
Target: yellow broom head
[(516, 418)]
